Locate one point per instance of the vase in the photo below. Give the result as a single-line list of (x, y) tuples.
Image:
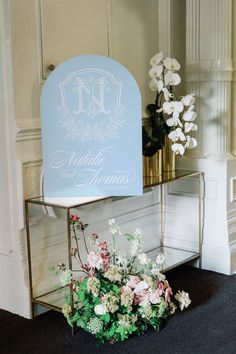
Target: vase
[(168, 157), (152, 166)]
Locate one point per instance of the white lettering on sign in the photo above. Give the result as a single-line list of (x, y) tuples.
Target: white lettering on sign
[(90, 96), (92, 169)]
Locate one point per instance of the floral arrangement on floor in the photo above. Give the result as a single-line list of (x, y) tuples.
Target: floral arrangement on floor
[(120, 294), (171, 115)]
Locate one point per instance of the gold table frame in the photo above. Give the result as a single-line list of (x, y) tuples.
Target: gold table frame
[(149, 182)]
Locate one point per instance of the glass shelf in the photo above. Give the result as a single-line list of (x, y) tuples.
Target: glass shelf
[(54, 299), (174, 257)]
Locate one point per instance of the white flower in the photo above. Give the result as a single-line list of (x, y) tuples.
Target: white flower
[(143, 259), (156, 59), (177, 134), (155, 270), (188, 100), (172, 79), (190, 115), (160, 85), (66, 277), (154, 297), (188, 127), (138, 233), (175, 107), (121, 260), (113, 273), (167, 94), (114, 228), (100, 309), (173, 121), (178, 149), (171, 64), (191, 142), (160, 258), (153, 85), (133, 281), (140, 287), (183, 299), (95, 260), (155, 71)]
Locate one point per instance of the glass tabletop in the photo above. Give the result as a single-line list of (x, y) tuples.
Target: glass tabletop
[(148, 182)]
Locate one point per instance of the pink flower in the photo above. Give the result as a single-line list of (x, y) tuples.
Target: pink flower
[(95, 260), (74, 218), (103, 246), (86, 267), (160, 287), (168, 293), (92, 272), (133, 281), (141, 288), (154, 297), (106, 260), (137, 299)]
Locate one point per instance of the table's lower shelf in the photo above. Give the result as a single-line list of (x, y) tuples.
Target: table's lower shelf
[(173, 258)]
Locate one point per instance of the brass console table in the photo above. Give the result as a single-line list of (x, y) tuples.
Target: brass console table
[(46, 214)]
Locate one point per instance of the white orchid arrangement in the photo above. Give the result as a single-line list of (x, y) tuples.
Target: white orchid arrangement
[(176, 115), (120, 293)]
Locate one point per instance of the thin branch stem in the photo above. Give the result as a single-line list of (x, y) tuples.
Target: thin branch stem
[(85, 243), (77, 244)]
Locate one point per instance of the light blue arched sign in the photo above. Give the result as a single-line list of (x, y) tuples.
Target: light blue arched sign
[(91, 129)]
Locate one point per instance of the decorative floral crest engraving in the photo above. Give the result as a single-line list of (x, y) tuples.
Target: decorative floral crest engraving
[(91, 105)]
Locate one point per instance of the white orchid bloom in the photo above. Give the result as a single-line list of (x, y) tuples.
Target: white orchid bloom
[(172, 79), (191, 142), (171, 64), (155, 71), (178, 149), (189, 115), (171, 122), (188, 127), (156, 59), (176, 135), (153, 85), (167, 94), (173, 107), (160, 85), (188, 100)]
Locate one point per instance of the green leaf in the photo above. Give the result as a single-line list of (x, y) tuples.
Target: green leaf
[(81, 323), (115, 289), (106, 317), (81, 295), (129, 237)]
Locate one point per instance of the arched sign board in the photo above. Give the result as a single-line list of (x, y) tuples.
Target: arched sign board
[(91, 129)]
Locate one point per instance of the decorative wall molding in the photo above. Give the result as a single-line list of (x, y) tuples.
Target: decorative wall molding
[(32, 178), (165, 24)]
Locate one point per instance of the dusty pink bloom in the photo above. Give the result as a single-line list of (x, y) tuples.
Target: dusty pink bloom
[(94, 260), (133, 281), (74, 218), (103, 246), (106, 260), (141, 287), (168, 293), (154, 297)]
